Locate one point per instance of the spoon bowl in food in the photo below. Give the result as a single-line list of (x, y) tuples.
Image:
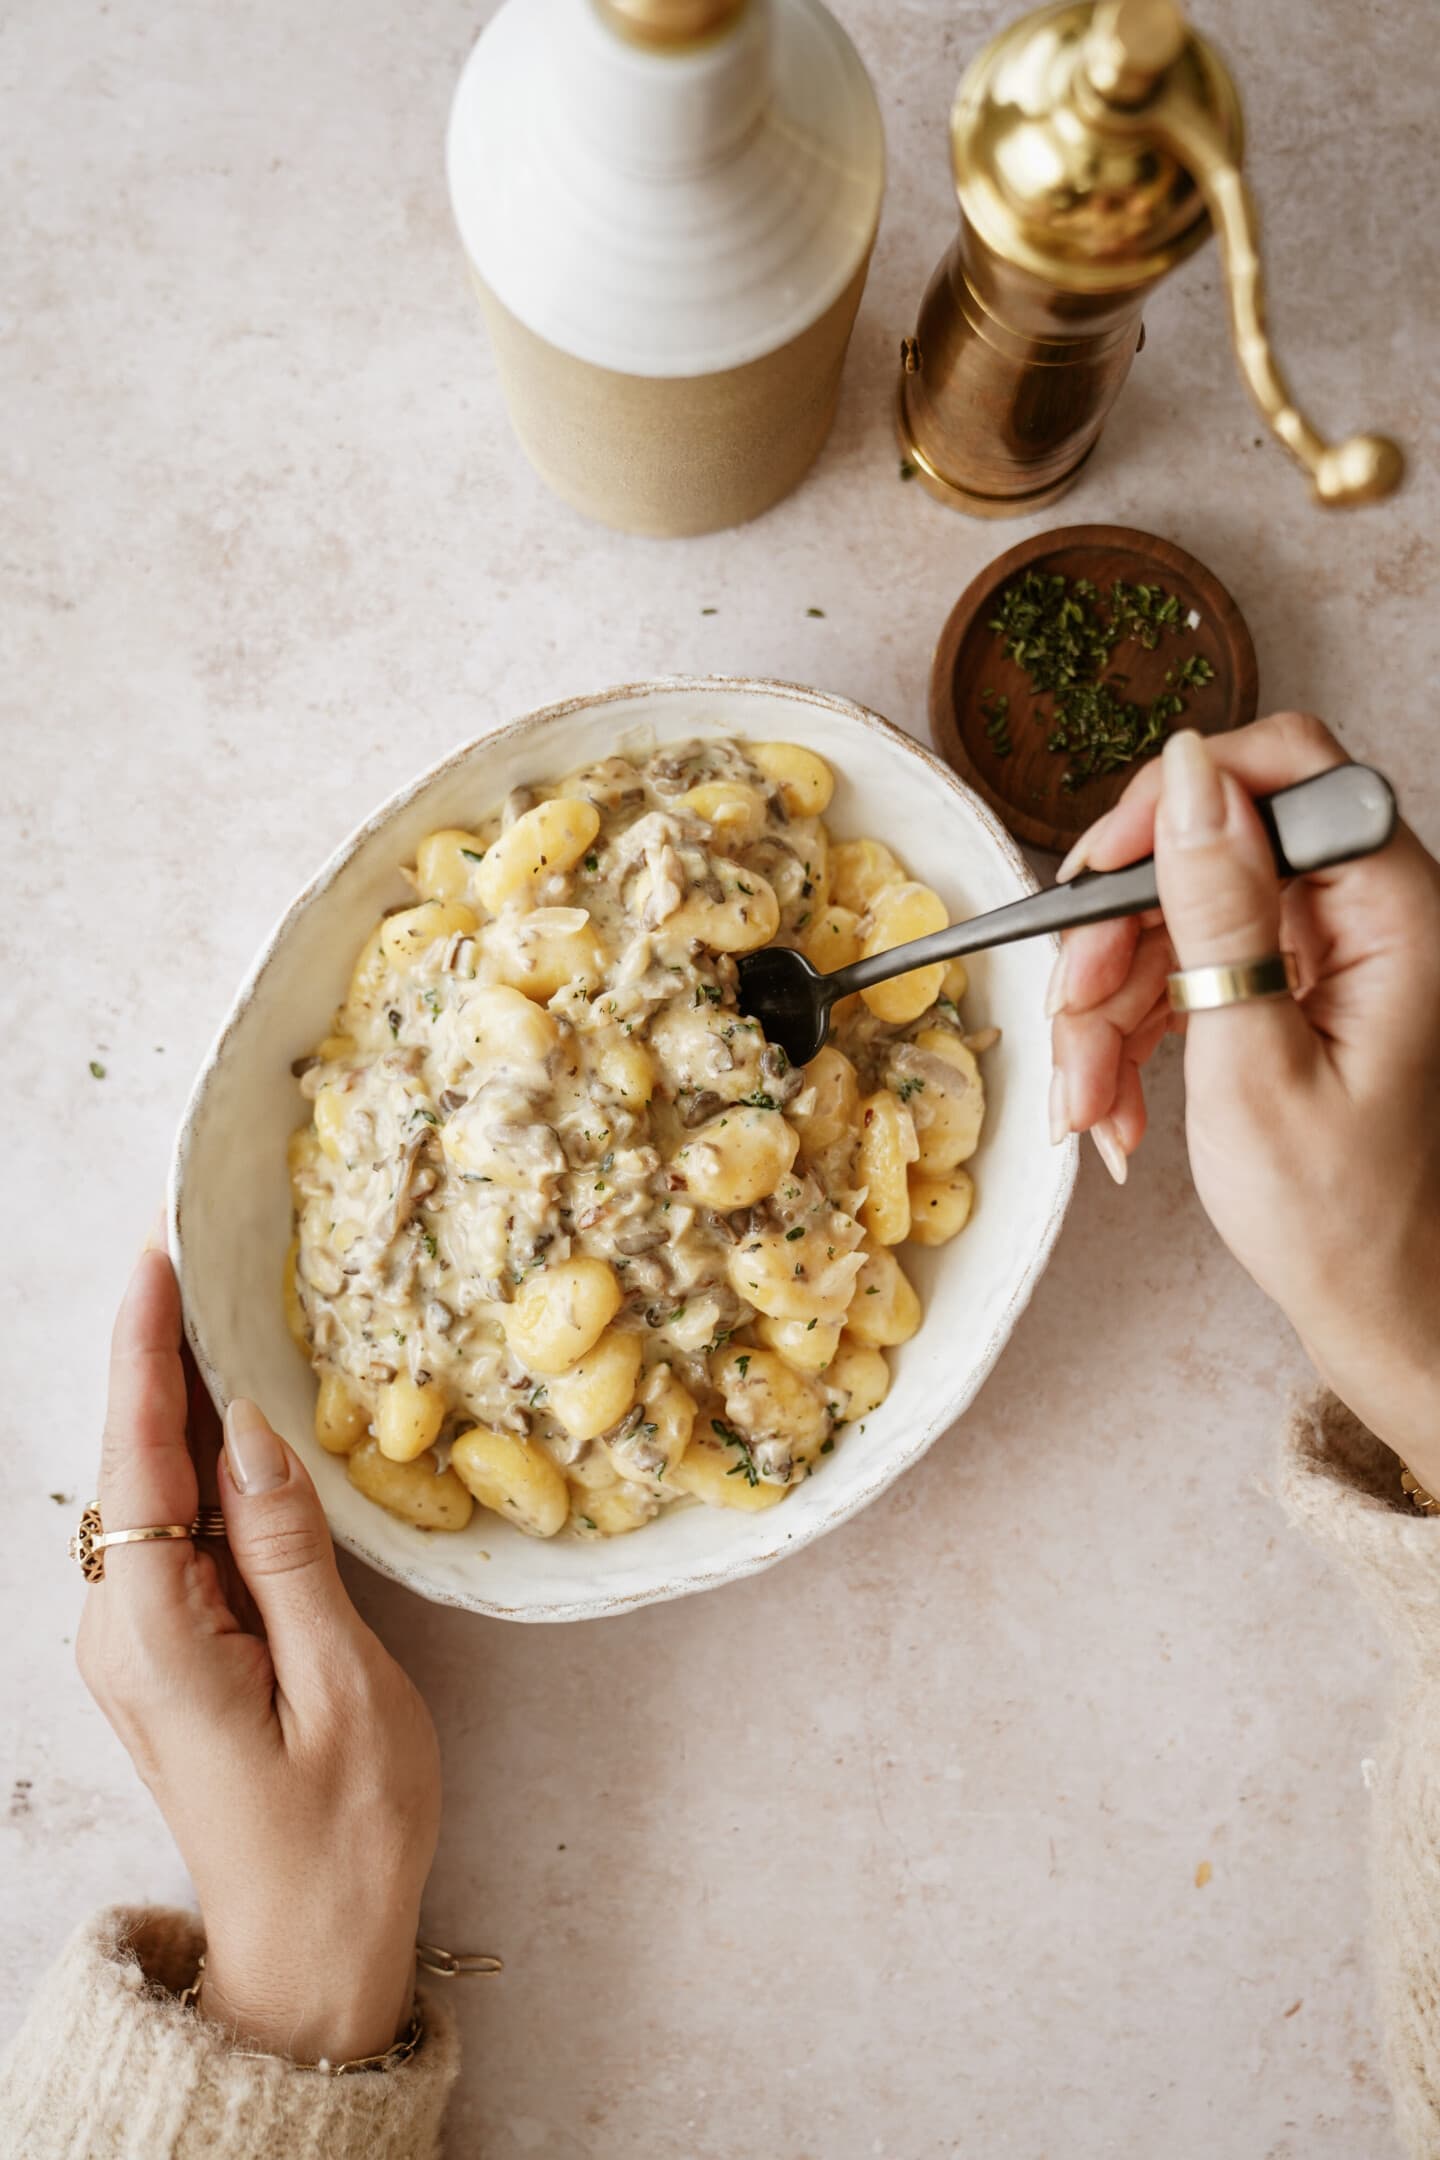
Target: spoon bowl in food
[(230, 1202)]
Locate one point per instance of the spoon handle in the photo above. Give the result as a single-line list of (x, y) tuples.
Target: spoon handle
[(1335, 817)]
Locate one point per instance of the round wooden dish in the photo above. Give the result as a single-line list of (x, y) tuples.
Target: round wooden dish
[(1025, 787)]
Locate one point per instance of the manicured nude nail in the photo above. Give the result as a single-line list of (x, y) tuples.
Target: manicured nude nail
[(1107, 1144), (1078, 858), (255, 1456), (1059, 1109), (1055, 991), (1194, 800), (155, 1237)]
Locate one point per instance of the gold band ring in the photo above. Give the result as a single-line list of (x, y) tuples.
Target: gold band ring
[(1204, 989), (90, 1540)]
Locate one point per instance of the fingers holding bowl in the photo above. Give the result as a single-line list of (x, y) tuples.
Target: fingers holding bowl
[(147, 1473)]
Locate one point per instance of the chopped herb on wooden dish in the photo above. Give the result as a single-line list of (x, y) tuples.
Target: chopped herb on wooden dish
[(1061, 632)]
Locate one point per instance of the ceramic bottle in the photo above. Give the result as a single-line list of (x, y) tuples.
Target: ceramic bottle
[(668, 208)]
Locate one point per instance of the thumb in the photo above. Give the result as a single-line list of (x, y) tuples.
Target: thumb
[(280, 1542), (1220, 893)]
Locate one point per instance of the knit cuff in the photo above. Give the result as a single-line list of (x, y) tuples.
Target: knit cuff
[(1342, 1484), (108, 2066)]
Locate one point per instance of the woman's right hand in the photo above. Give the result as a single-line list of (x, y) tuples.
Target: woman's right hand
[(1313, 1123)]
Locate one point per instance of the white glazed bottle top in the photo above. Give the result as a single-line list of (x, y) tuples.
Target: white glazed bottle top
[(665, 209)]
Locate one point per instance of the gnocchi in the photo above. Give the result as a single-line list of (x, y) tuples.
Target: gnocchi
[(737, 1158), (513, 1478), (537, 849), (572, 1242), (560, 1313), (898, 914), (419, 1492)]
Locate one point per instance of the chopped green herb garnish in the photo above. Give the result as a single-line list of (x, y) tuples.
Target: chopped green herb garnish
[(909, 1087), (827, 1447), (592, 864), (759, 1101), (394, 1019), (791, 1235), (746, 1465), (742, 1364), (427, 1239), (1054, 629), (428, 1116), (473, 854)]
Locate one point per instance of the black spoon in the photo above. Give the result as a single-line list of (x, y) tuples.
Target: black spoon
[(1334, 818)]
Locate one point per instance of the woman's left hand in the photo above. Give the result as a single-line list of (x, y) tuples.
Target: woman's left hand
[(295, 1763)]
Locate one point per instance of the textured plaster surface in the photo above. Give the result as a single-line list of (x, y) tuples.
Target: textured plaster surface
[(893, 1851)]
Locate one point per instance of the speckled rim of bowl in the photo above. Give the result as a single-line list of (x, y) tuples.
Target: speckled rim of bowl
[(926, 1433)]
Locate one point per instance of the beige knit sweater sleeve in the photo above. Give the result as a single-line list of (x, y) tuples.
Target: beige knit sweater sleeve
[(108, 2066), (1343, 1485)]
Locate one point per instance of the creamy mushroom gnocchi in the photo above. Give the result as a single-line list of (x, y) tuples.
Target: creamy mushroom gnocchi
[(573, 1242)]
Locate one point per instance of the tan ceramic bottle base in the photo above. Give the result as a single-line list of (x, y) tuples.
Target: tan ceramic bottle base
[(673, 455)]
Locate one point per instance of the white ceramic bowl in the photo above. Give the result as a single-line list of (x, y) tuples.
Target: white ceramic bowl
[(229, 1192)]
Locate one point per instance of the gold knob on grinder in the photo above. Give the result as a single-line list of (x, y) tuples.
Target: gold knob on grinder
[(1094, 147), (1129, 45)]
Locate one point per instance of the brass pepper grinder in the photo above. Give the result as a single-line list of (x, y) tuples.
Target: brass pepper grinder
[(1094, 147)]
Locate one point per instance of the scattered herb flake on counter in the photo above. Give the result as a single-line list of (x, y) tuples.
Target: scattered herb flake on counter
[(816, 611), (709, 611), (1062, 632), (907, 470), (97, 1070)]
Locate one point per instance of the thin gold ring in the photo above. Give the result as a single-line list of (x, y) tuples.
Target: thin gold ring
[(90, 1540), (1205, 989)]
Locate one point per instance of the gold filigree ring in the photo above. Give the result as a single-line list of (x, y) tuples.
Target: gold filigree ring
[(1204, 989), (90, 1540)]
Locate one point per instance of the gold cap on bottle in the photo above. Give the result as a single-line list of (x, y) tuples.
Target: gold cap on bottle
[(669, 22)]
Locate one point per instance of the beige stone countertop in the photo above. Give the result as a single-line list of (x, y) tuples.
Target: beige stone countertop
[(892, 1851)]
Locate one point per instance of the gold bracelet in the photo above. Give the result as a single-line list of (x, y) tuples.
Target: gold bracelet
[(449, 1964), (1416, 1493), (398, 2052)]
